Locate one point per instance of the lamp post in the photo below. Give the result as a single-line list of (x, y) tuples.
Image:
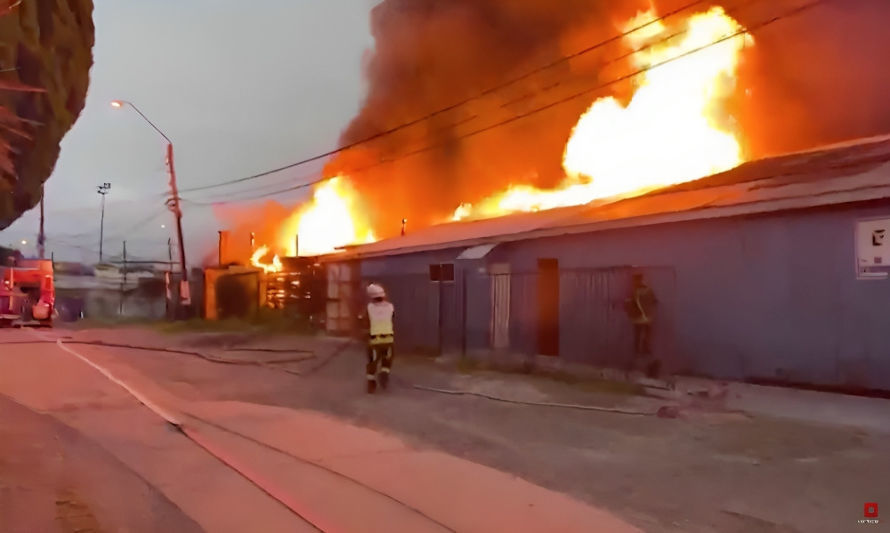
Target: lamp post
[(172, 202), (103, 189)]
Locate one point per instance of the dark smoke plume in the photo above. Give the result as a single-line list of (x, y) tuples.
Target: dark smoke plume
[(818, 78), (814, 79), (430, 54)]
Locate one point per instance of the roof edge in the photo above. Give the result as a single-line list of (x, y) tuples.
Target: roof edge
[(752, 208)]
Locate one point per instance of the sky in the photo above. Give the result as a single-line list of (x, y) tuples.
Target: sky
[(240, 87)]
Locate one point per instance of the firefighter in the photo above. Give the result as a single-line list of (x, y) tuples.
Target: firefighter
[(379, 321), (641, 309)]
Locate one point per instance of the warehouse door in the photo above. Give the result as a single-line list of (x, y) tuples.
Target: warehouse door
[(500, 307), (343, 297), (548, 307)]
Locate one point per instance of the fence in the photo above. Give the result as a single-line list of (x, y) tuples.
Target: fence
[(144, 301), (578, 315)]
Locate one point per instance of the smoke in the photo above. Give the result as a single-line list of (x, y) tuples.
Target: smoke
[(817, 78), (263, 223), (431, 54), (811, 79)]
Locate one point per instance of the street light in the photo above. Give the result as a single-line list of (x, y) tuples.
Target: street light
[(173, 202), (24, 242), (103, 190)]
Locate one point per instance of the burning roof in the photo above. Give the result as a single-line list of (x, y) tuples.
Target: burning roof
[(856, 171), (642, 96)]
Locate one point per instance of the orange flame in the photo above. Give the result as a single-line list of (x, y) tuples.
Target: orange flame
[(673, 130), (333, 219), (257, 260)]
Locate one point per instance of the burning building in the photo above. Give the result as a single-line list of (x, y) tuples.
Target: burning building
[(533, 188), (480, 108), (775, 271), (294, 286)]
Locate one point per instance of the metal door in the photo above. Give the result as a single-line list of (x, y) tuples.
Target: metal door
[(500, 309)]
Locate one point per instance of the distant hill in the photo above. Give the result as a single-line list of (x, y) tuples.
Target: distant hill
[(46, 52)]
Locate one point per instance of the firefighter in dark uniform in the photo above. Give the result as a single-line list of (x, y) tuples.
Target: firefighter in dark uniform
[(641, 310), (378, 319)]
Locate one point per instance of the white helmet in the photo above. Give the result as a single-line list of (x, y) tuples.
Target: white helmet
[(375, 291)]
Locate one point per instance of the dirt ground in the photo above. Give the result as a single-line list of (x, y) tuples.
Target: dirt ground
[(53, 479), (708, 471)]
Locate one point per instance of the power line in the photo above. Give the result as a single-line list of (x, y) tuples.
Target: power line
[(79, 247), (452, 107), (616, 59), (126, 232), (793, 12), (119, 234), (228, 197)]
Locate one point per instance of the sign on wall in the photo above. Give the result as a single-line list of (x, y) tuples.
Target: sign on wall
[(873, 248)]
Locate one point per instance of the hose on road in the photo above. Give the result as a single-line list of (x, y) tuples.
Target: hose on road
[(229, 461), (338, 351), (204, 356), (534, 404)]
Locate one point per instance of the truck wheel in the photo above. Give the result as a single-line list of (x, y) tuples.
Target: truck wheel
[(27, 310)]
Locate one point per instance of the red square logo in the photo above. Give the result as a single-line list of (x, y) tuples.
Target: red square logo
[(871, 510)]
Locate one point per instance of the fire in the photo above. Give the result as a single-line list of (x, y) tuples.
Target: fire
[(673, 130), (257, 260), (333, 219)]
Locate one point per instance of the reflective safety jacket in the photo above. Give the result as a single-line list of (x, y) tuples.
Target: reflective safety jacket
[(642, 306), (380, 315)]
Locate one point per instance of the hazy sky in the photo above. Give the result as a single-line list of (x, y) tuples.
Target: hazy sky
[(239, 86)]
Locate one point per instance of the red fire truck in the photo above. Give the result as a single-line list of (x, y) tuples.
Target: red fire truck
[(27, 295)]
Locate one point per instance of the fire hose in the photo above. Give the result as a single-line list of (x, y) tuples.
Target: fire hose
[(231, 462), (664, 411)]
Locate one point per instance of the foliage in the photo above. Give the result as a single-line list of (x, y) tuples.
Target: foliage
[(45, 58), (266, 321)]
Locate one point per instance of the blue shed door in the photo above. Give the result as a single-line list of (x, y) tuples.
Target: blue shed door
[(596, 329), (548, 307)]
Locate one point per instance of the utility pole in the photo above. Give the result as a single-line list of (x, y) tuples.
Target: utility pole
[(120, 310), (168, 277), (173, 203), (41, 238), (184, 292), (103, 190)]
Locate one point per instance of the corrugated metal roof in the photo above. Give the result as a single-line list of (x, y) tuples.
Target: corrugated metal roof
[(851, 172), (477, 252), (472, 230)]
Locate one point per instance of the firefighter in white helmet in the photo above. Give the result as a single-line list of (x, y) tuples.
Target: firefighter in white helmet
[(379, 321)]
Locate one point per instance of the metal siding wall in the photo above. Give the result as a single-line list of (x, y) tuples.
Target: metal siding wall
[(771, 297), (452, 315), (524, 313), (594, 326), (420, 302), (479, 311), (416, 303)]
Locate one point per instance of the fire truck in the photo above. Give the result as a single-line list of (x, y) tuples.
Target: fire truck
[(27, 295)]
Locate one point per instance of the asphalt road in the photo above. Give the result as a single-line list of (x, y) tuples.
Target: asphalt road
[(95, 444), (124, 466)]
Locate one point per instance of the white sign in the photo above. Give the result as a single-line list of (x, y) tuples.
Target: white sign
[(873, 248)]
